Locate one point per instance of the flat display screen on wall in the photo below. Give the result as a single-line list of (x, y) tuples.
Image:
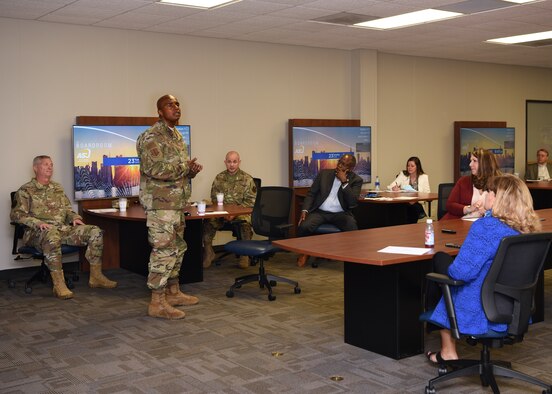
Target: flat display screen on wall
[(499, 140), (318, 148), (105, 162)]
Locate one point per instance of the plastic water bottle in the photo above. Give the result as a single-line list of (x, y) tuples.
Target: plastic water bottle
[(429, 234), (377, 183)]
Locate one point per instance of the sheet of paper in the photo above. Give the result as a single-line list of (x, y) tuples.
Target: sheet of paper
[(379, 198), (405, 250), (216, 213), (470, 219), (404, 198), (103, 210)]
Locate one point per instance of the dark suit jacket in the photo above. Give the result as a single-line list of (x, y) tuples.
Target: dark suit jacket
[(532, 170), (320, 190)]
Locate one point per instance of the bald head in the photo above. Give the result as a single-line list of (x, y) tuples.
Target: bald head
[(232, 162)]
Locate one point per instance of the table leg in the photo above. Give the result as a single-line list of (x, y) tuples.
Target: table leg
[(382, 306)]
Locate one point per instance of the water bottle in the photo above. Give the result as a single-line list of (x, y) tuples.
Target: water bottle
[(429, 234), (377, 183)]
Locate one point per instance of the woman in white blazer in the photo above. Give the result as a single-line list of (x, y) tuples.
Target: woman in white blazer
[(412, 179)]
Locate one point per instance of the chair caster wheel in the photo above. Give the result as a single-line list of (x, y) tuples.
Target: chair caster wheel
[(229, 294), (271, 297), (28, 290), (11, 283), (297, 290), (430, 390), (314, 265), (273, 283), (70, 284)]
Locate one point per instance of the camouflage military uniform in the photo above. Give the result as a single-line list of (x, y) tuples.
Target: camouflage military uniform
[(238, 188), (164, 190), (37, 203)]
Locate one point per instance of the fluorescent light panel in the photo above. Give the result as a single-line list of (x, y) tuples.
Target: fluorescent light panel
[(520, 1), (545, 35), (409, 19), (198, 3)]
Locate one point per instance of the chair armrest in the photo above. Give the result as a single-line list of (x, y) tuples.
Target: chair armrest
[(440, 278), (445, 282)]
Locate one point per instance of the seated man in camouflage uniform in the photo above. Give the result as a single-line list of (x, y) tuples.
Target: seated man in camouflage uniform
[(238, 188), (43, 207)]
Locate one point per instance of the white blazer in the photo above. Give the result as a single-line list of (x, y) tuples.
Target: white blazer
[(403, 181)]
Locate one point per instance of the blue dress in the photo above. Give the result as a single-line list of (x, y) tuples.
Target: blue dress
[(471, 265)]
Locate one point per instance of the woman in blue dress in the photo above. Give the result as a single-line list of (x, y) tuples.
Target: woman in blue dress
[(509, 212)]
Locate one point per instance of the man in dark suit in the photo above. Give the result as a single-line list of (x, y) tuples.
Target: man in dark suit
[(332, 196), (542, 169)]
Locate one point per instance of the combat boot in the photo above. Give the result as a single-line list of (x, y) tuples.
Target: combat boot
[(60, 289), (97, 279), (175, 297), (159, 307), (208, 253), (243, 262)]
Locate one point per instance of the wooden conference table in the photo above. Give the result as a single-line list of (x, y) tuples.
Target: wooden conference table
[(541, 191), (388, 209), (384, 291), (126, 237)]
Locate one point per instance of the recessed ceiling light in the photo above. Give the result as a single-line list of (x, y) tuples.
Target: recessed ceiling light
[(204, 4), (545, 35), (409, 19)]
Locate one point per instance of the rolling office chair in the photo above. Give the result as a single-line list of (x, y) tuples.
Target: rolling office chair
[(443, 195), (270, 218), (235, 227), (507, 297), (324, 228), (43, 272)]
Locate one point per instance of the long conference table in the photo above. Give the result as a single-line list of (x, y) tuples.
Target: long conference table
[(126, 237), (541, 191), (383, 292)]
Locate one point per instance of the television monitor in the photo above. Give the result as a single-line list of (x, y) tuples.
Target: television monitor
[(105, 162), (318, 148), (499, 140)]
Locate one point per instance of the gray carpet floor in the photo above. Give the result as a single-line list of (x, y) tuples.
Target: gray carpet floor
[(102, 341)]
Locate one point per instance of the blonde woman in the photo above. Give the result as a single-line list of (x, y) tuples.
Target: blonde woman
[(509, 212)]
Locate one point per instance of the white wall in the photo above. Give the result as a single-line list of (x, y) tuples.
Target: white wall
[(239, 95), (420, 98)]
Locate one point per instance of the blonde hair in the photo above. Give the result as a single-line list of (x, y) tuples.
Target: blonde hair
[(513, 204)]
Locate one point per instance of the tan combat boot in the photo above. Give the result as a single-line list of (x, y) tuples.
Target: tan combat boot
[(175, 297), (208, 253), (159, 307), (97, 279), (243, 263), (60, 289)]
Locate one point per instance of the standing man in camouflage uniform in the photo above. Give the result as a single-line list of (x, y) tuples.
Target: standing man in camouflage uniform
[(165, 170), (43, 207), (238, 188)]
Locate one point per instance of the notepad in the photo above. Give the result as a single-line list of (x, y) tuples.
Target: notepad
[(104, 210)]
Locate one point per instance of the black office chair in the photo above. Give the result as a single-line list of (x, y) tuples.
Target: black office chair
[(43, 272), (507, 297), (443, 195), (235, 227), (270, 218), (324, 228)]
